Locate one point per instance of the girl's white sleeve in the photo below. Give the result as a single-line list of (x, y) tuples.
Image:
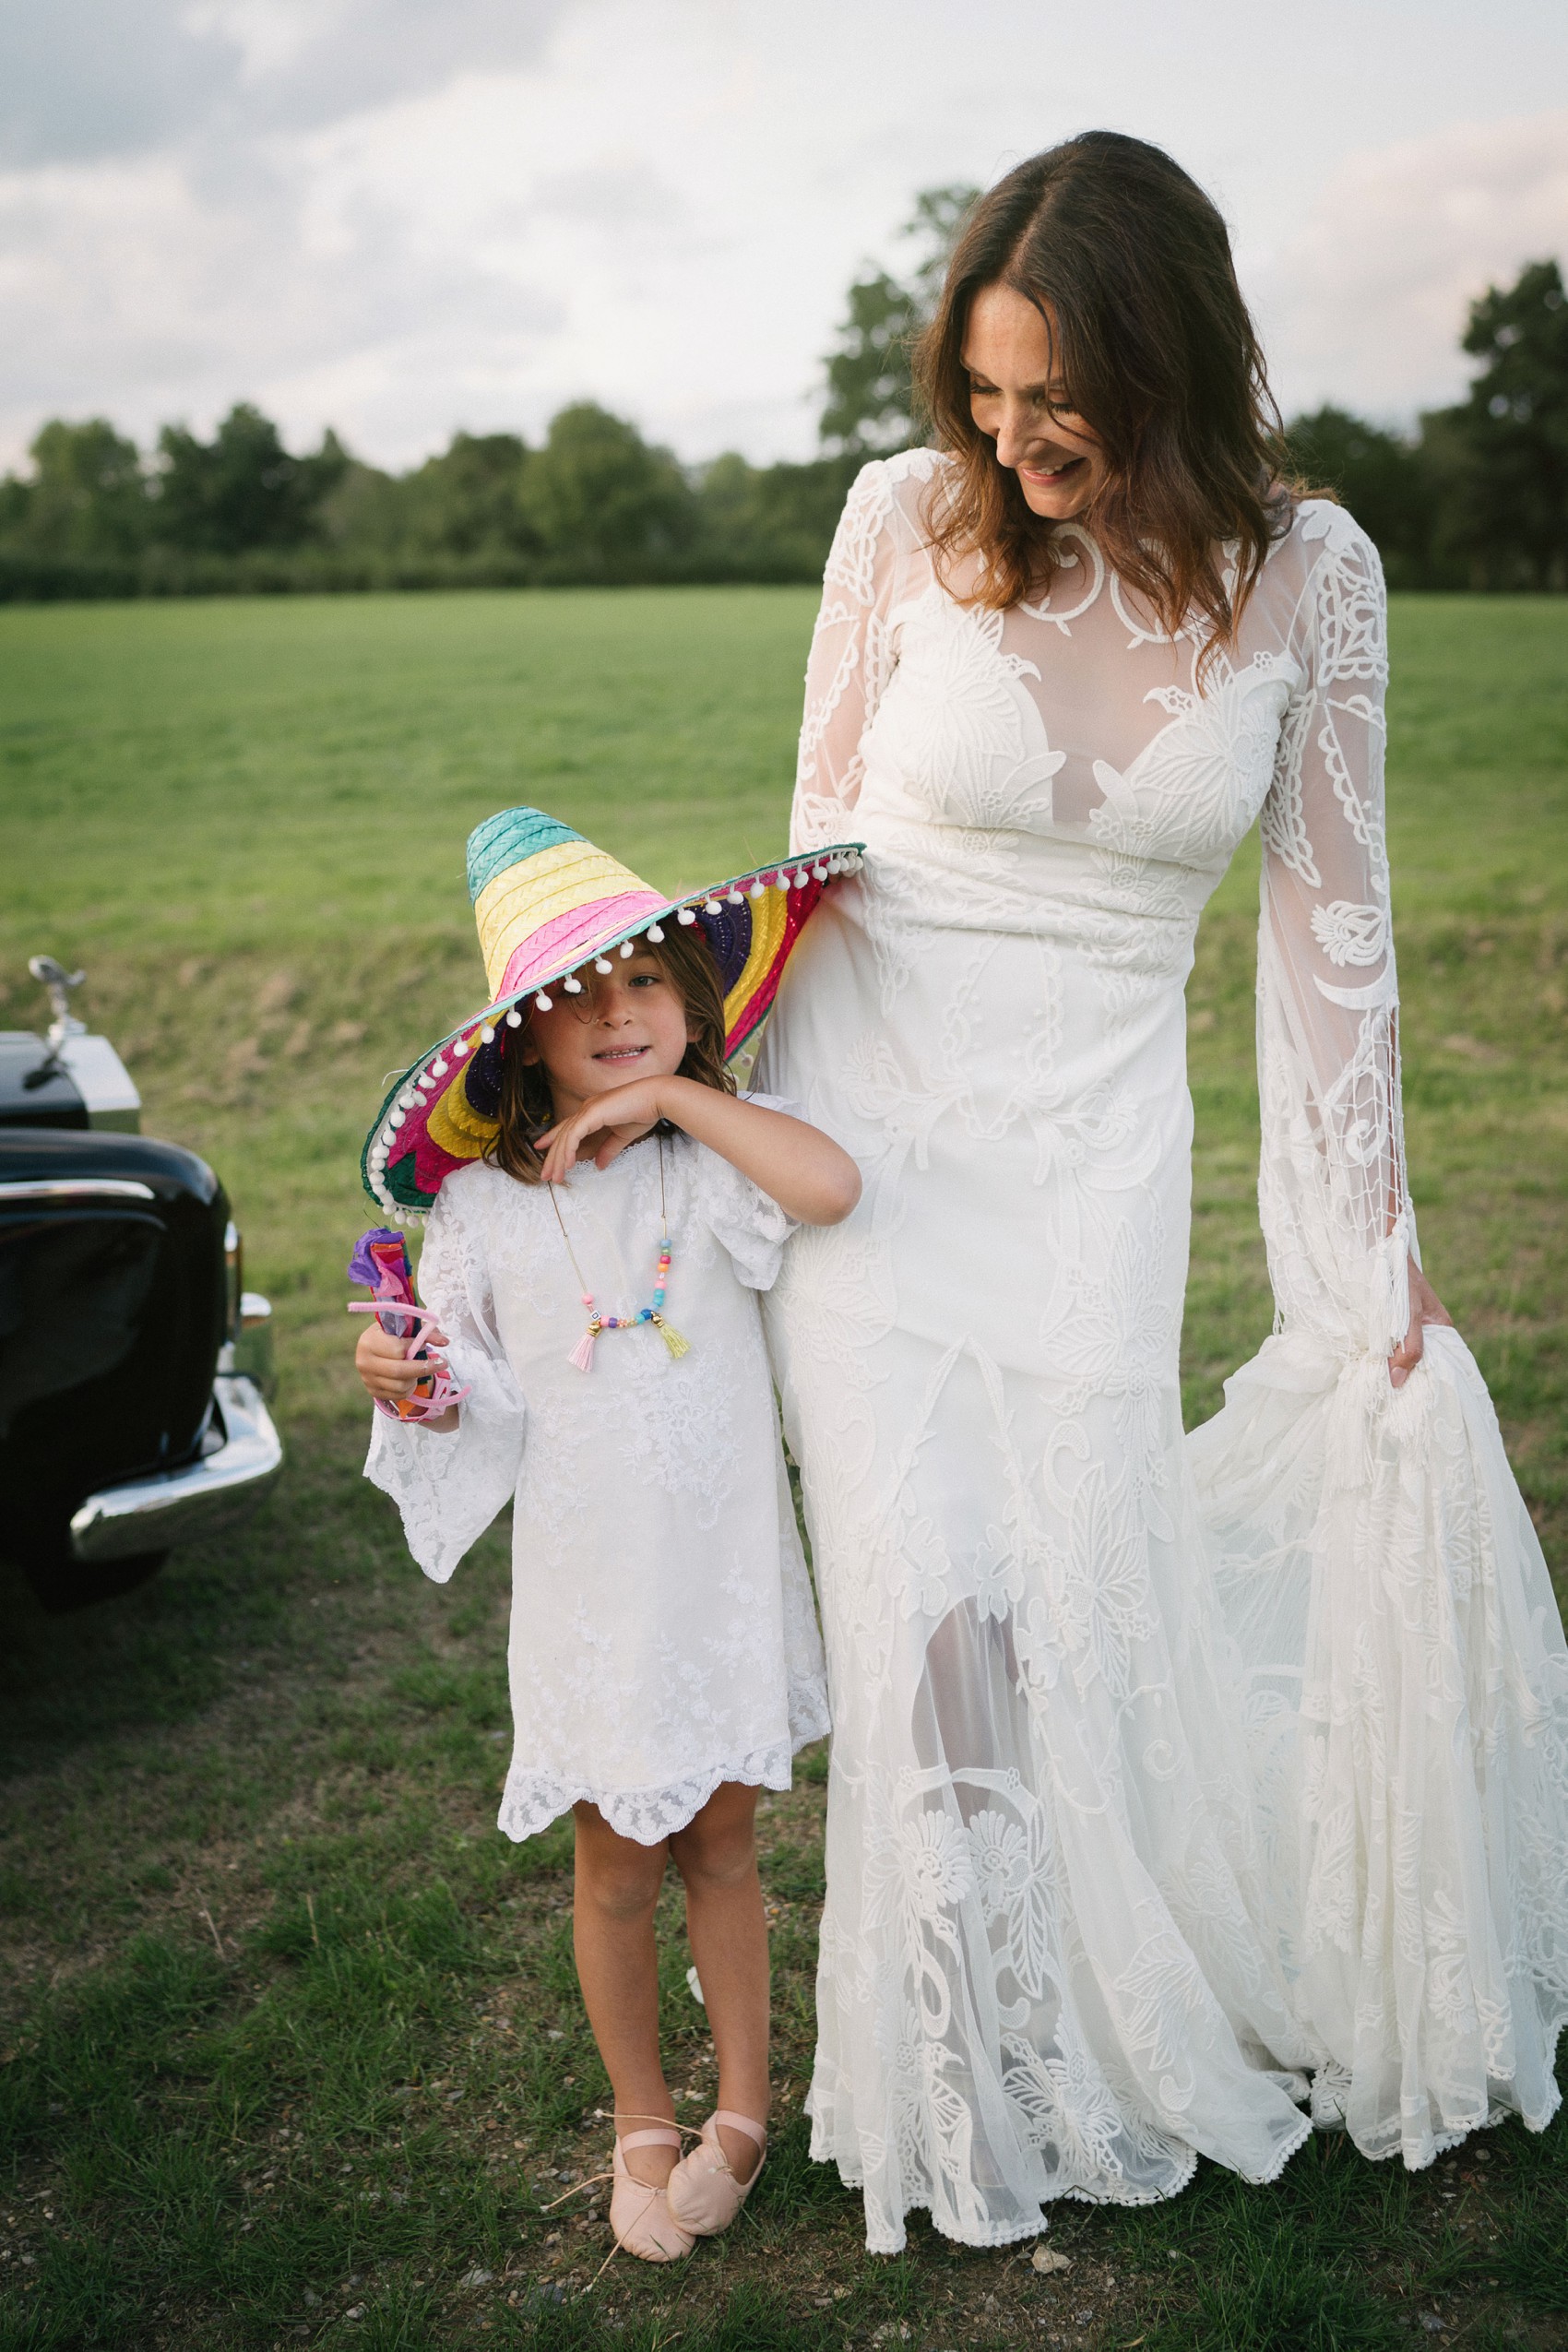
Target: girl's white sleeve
[(745, 1221), (449, 1486), (851, 660)]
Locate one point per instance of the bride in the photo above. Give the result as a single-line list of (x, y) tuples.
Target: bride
[(1166, 1772)]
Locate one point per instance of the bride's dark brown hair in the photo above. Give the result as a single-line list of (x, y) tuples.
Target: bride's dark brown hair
[(1128, 265)]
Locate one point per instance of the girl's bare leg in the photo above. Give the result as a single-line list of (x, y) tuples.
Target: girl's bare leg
[(715, 1855), (616, 1888)]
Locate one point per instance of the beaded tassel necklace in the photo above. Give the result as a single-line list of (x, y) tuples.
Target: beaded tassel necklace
[(582, 1354)]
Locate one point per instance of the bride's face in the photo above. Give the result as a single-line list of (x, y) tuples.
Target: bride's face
[(1017, 396)]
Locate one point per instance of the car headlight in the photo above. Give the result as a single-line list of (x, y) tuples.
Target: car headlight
[(253, 1348), (234, 1279), (247, 1348)]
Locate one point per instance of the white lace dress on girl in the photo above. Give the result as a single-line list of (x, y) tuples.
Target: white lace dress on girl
[(1158, 1768), (663, 1637)]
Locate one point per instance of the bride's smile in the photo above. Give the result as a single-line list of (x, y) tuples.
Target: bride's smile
[(1018, 400)]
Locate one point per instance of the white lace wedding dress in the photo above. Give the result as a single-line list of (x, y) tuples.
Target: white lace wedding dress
[(662, 1637), (1103, 1861)]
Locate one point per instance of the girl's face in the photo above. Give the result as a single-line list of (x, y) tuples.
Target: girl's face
[(628, 1023), (1017, 396)]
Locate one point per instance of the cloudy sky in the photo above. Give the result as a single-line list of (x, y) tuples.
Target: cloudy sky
[(404, 216)]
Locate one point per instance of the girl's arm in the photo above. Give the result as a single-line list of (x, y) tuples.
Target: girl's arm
[(805, 1171)]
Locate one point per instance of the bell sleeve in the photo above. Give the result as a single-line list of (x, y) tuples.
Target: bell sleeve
[(448, 1485), (851, 660), (1403, 1663), (747, 1222)]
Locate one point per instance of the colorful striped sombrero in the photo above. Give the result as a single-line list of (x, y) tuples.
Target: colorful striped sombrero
[(547, 901)]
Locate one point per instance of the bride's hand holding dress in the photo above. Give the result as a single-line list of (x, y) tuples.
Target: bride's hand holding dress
[(1425, 1307)]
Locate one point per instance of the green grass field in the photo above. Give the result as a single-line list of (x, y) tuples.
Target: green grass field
[(290, 2046)]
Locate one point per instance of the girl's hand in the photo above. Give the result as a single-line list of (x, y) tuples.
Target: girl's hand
[(385, 1367), (601, 1130), (1425, 1307)]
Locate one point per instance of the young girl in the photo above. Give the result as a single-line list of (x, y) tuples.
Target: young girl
[(603, 1211)]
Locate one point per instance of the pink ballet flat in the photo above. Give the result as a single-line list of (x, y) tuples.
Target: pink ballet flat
[(639, 2216), (702, 2192)]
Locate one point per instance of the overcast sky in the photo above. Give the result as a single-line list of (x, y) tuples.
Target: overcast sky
[(403, 216)]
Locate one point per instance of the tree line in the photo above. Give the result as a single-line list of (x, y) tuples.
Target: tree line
[(593, 503), (1476, 497)]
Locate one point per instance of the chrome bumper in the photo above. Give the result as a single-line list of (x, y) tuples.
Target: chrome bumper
[(148, 1515)]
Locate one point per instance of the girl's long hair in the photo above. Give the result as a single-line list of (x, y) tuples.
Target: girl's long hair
[(1129, 264), (526, 1108)]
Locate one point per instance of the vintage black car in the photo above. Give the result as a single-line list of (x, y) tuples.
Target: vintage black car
[(135, 1368)]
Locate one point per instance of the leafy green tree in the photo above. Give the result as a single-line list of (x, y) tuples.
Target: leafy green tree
[(603, 502), (1502, 456), (870, 396), (16, 507), (242, 489), (468, 501), (365, 512), (870, 406), (769, 522), (1385, 480), (88, 495)]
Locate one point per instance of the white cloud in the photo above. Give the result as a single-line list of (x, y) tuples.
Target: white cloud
[(1366, 304), (92, 79), (199, 302)]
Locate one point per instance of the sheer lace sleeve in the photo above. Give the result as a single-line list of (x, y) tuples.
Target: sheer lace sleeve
[(449, 1486), (1332, 1190), (850, 660)]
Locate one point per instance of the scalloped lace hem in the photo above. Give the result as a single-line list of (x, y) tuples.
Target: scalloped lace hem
[(533, 1798), (1331, 2086), (885, 2236)]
